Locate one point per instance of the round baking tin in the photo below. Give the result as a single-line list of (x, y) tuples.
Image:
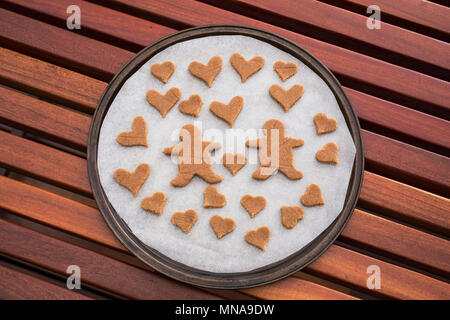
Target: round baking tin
[(184, 273)]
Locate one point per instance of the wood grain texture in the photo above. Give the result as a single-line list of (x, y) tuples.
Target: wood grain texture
[(96, 270), (49, 81), (16, 285), (338, 264)]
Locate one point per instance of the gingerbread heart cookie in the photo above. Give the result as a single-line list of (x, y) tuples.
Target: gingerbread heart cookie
[(137, 136), (286, 98), (185, 220), (285, 70), (163, 103), (163, 71), (234, 162), (291, 215), (312, 196), (154, 203), (328, 153), (212, 198), (246, 68), (227, 112), (253, 205), (192, 105), (133, 181), (222, 226), (258, 237), (207, 72), (324, 124)]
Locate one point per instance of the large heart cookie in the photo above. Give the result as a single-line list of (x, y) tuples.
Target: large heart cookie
[(234, 162), (253, 205), (154, 203), (133, 181), (227, 112), (163, 103), (212, 198), (285, 70), (137, 136), (246, 68), (185, 220), (324, 124), (192, 105), (291, 215), (286, 98), (328, 153), (163, 71), (222, 226), (312, 196), (207, 72), (258, 237)]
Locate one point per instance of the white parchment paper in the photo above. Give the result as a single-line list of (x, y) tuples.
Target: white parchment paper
[(200, 248)]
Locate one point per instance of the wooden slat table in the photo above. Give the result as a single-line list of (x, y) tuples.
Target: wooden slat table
[(51, 79)]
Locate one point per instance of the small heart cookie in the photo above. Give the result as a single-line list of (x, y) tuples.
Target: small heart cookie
[(163, 103), (222, 226), (324, 124), (328, 153), (291, 215), (133, 181), (253, 205), (234, 162), (312, 196), (185, 220), (212, 198), (285, 70), (227, 112), (137, 136), (154, 203), (163, 71), (246, 68), (258, 237), (192, 105), (286, 98), (207, 72)]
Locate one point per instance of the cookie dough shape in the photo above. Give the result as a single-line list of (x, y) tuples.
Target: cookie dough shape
[(212, 198), (163, 103), (324, 124), (207, 72), (133, 181), (185, 220), (192, 105), (328, 153), (137, 136), (194, 157), (313, 196), (222, 226), (154, 203), (246, 68), (253, 205), (227, 112), (283, 160), (286, 98), (291, 215), (163, 71), (285, 70), (259, 237), (234, 162)]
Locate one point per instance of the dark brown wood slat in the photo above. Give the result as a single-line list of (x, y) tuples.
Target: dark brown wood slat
[(16, 285), (49, 81), (48, 120), (403, 85), (61, 47), (351, 28), (59, 212)]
